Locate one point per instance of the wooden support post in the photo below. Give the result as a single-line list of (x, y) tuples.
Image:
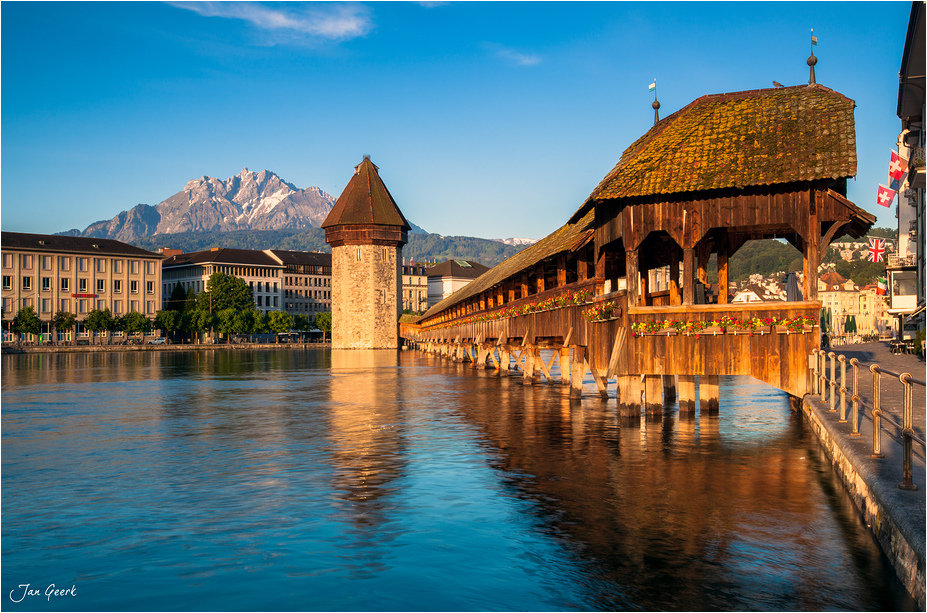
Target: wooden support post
[(525, 287), (600, 273), (686, 393), (577, 371), (675, 298), (564, 365), (724, 251), (601, 382), (629, 396), (812, 251), (561, 271), (688, 276), (505, 360), (582, 267), (653, 395), (633, 278), (704, 254), (528, 377), (669, 388), (708, 394)]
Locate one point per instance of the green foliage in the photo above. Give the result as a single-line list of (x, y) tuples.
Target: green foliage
[(301, 322), (323, 321), (861, 272), (891, 233), (26, 322), (135, 323), (98, 321), (177, 300), (225, 292), (64, 321), (279, 322), (420, 248), (168, 320), (231, 321)]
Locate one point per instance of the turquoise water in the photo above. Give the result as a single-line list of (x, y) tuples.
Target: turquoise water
[(377, 481)]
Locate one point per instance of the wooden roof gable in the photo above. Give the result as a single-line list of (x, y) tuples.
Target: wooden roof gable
[(736, 140), (366, 201)]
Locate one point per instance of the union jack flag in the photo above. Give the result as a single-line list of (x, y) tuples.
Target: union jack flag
[(876, 249)]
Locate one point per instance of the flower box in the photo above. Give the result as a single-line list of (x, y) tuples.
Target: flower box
[(666, 332), (712, 331)]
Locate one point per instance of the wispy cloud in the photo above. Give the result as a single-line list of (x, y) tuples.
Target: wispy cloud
[(513, 57), (336, 21)]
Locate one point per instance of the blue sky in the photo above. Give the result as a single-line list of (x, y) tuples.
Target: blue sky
[(486, 119)]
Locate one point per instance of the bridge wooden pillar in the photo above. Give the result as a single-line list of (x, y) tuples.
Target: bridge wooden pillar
[(629, 396), (675, 298), (669, 388), (653, 395), (724, 251), (564, 365), (505, 360), (633, 277), (708, 394), (688, 276), (577, 371), (686, 394), (528, 376)]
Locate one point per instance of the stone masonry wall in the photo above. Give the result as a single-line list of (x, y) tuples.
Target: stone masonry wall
[(366, 298)]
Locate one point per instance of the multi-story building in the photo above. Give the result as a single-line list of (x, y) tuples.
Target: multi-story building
[(906, 268), (448, 277), (415, 288), (296, 282), (54, 273), (839, 295), (307, 281)]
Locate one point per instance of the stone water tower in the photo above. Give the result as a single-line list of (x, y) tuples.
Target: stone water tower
[(366, 231)]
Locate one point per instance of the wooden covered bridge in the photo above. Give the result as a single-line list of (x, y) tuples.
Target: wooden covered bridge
[(622, 288)]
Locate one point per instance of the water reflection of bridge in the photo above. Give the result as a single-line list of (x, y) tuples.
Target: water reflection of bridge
[(702, 182)]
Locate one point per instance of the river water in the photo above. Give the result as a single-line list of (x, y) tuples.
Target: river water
[(384, 481)]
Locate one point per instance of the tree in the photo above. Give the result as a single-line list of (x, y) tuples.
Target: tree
[(279, 322), (64, 321), (323, 321), (26, 322), (169, 321), (231, 321), (136, 323), (225, 292), (99, 321), (177, 301), (255, 322)]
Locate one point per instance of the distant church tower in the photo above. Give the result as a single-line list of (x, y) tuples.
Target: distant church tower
[(366, 231)]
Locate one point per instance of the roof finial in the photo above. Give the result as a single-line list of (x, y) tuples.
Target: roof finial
[(656, 103), (811, 59)]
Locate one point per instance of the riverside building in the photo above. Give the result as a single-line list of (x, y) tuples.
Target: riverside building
[(75, 274)]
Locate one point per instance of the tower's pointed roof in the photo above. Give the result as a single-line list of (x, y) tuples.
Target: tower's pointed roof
[(366, 201)]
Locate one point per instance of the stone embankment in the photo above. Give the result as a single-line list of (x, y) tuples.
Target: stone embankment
[(190, 347), (896, 516)]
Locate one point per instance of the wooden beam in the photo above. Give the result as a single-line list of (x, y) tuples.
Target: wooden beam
[(577, 371), (723, 250), (675, 298), (688, 277), (633, 278)]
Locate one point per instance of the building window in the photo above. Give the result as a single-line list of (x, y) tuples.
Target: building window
[(101, 286), (82, 286), (8, 260), (83, 264), (117, 307), (7, 282), (133, 305), (27, 261), (151, 307), (65, 284), (46, 284), (27, 302), (101, 304), (82, 305), (117, 286), (133, 267), (64, 263), (150, 268), (133, 287), (46, 262), (65, 305), (27, 284), (259, 301), (117, 266), (101, 265), (149, 287)]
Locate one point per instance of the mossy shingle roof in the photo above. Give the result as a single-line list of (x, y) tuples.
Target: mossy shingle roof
[(739, 139), (365, 200)]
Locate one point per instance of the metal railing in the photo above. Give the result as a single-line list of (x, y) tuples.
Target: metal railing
[(833, 389)]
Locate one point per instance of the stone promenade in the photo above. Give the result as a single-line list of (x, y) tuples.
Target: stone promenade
[(895, 516)]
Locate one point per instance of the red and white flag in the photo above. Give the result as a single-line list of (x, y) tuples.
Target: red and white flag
[(876, 249), (886, 196), (897, 166)]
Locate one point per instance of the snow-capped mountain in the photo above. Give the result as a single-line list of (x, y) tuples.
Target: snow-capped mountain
[(517, 242), (247, 201)]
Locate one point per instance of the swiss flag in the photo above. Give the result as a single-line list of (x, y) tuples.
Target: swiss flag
[(886, 196), (897, 167)]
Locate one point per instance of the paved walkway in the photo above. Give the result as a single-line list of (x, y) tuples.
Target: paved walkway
[(894, 514)]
